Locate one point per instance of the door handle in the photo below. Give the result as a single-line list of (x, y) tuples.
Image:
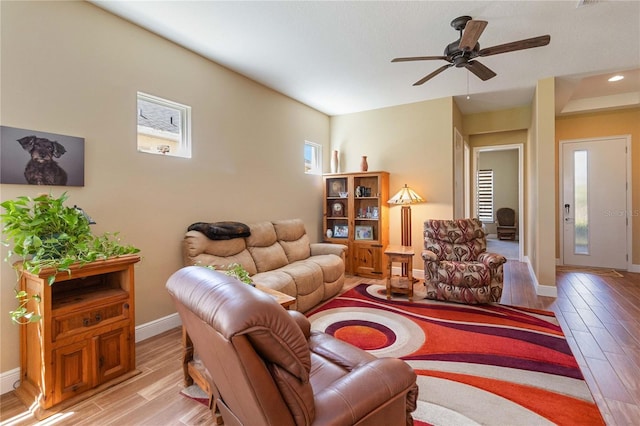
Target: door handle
[(567, 209)]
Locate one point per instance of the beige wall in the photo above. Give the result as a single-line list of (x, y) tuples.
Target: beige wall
[(542, 195), (504, 120), (603, 124), (73, 69), (414, 143)]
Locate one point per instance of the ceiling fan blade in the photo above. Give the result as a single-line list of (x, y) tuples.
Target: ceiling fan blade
[(433, 74), (472, 32), (481, 71), (516, 45), (418, 58)]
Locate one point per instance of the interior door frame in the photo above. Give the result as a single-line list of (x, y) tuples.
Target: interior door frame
[(629, 200), (517, 146)]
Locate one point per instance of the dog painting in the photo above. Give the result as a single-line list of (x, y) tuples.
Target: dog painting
[(38, 158), (43, 169)]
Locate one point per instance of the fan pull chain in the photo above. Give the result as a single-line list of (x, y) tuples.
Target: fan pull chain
[(468, 97)]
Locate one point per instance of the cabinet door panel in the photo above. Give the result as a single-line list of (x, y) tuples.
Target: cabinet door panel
[(368, 260), (112, 351), (72, 369)]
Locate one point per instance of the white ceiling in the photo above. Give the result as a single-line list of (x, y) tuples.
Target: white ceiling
[(335, 56)]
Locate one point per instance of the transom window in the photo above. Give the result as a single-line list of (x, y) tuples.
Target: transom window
[(312, 158), (164, 126)]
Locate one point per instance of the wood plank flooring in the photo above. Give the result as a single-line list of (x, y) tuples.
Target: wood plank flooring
[(600, 316)]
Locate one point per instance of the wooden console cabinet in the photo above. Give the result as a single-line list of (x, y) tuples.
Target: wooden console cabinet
[(85, 339), (355, 213)]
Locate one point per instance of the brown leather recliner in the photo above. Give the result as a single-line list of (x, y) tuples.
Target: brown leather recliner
[(268, 368)]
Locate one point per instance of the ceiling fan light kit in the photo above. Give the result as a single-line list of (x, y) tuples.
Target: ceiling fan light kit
[(462, 52)]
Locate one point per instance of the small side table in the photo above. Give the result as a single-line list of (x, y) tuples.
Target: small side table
[(404, 256)]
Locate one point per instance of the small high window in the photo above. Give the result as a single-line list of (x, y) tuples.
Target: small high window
[(164, 127), (312, 158)]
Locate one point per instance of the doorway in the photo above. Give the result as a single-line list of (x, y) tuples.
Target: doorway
[(595, 199), (511, 249)]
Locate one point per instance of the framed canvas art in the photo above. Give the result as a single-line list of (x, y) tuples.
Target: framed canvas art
[(31, 157)]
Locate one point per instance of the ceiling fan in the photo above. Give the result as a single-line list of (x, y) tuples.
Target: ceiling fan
[(462, 52)]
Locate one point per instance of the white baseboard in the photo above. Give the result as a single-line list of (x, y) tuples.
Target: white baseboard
[(8, 379), (144, 331), (155, 327), (541, 290)]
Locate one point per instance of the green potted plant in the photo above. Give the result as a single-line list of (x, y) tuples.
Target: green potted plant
[(45, 233), (236, 271)]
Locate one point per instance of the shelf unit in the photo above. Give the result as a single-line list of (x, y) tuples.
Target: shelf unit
[(85, 339), (355, 210)]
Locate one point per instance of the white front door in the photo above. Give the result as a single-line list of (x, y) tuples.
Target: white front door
[(594, 203)]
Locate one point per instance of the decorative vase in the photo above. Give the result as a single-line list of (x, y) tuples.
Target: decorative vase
[(329, 233), (363, 164), (335, 162)]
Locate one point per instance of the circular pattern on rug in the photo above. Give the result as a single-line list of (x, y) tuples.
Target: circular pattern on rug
[(363, 334), (386, 333)]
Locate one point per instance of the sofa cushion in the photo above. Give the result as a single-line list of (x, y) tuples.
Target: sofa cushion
[(279, 281), (309, 284), (332, 266), (264, 248), (293, 238)]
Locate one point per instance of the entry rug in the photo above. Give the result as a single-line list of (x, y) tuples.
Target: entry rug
[(603, 272), (476, 365)]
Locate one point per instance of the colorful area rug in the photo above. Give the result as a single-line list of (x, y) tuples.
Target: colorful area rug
[(490, 365)]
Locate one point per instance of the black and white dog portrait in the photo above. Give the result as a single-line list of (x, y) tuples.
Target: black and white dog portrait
[(43, 169), (38, 158)]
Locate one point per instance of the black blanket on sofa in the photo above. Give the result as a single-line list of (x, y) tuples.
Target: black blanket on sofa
[(221, 230)]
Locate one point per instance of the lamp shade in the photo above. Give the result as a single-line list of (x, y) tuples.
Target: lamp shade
[(406, 195)]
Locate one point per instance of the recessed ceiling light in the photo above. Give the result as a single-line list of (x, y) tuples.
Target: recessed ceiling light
[(616, 78)]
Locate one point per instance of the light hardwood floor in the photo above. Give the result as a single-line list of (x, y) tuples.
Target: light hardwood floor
[(599, 315)]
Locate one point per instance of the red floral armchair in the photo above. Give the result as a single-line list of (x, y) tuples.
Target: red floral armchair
[(457, 266)]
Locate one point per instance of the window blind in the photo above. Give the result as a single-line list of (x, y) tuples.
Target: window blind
[(485, 195)]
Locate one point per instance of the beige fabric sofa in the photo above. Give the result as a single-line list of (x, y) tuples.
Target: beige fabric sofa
[(278, 255)]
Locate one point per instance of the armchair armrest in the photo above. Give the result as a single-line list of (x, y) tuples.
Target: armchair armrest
[(429, 256), (302, 322), (337, 351), (328, 248), (364, 390), (492, 260)]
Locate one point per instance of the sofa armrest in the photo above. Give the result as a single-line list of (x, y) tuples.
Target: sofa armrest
[(429, 256), (328, 248), (363, 391)]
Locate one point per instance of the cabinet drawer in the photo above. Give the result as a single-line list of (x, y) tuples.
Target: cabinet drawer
[(79, 322)]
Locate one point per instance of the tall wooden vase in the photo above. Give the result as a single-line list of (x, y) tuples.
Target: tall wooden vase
[(364, 166)]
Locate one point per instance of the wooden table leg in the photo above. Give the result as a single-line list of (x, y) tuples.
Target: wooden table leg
[(187, 355), (410, 277), (389, 265)]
